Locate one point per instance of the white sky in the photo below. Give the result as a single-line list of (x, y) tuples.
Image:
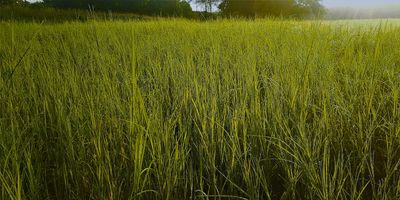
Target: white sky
[(358, 3)]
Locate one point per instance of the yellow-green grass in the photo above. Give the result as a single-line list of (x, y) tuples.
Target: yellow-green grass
[(175, 109)]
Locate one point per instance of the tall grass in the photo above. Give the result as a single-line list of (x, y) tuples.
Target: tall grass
[(176, 109)]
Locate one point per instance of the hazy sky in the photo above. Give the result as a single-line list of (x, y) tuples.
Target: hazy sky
[(358, 3)]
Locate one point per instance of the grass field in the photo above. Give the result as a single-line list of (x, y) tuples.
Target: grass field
[(176, 109)]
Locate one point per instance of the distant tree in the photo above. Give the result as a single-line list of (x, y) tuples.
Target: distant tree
[(168, 7), (67, 3), (10, 2), (152, 7), (6, 2), (131, 5), (312, 8), (208, 5), (261, 8)]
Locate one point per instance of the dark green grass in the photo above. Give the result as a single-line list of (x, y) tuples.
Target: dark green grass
[(176, 109)]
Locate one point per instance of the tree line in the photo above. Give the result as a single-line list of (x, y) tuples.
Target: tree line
[(262, 8), (230, 8)]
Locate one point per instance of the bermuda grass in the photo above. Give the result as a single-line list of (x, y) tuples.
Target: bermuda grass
[(179, 109)]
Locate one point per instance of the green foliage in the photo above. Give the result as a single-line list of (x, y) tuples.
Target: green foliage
[(41, 13), (312, 8), (182, 8), (262, 8), (10, 2), (208, 4), (175, 8), (176, 109), (165, 7)]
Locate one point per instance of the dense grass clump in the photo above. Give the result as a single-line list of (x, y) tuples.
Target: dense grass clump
[(175, 109)]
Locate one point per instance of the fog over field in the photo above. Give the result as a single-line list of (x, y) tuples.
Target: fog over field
[(358, 3), (362, 9)]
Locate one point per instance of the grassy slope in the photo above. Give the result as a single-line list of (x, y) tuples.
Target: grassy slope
[(177, 109)]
